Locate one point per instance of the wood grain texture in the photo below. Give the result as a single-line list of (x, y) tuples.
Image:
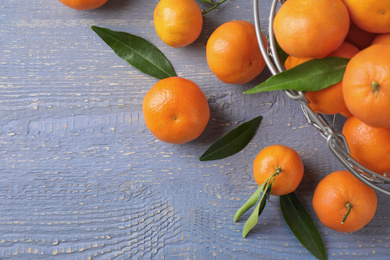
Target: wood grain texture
[(82, 178)]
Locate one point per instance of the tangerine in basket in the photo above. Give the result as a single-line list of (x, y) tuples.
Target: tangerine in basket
[(382, 38), (366, 85), (311, 29), (178, 23), (176, 110), (346, 113), (329, 100), (343, 203), (233, 53), (83, 4), (370, 15), (282, 160), (370, 146)]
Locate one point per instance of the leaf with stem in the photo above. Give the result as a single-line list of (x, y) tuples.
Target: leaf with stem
[(311, 75), (250, 202), (302, 225), (233, 142), (138, 52), (254, 217), (264, 188)]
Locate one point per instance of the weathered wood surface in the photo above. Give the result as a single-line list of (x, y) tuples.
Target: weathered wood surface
[(82, 177)]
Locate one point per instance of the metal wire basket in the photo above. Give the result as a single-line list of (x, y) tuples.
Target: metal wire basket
[(335, 140)]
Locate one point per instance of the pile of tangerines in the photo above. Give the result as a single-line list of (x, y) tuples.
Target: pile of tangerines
[(359, 31), (176, 110)]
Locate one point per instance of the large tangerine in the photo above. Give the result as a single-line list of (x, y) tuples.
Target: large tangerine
[(311, 29), (176, 110)]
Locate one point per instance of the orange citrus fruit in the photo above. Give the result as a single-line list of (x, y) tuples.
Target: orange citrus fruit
[(382, 38), (366, 85), (83, 4), (370, 146), (329, 100), (343, 203), (283, 160), (293, 61), (346, 113), (233, 53), (176, 110), (311, 29), (178, 23), (370, 15)]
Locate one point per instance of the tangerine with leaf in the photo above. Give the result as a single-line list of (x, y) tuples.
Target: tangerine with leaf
[(278, 170), (280, 166)]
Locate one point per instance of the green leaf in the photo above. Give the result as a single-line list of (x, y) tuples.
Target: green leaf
[(138, 52), (249, 203), (232, 142), (312, 75), (254, 217), (301, 224), (282, 55), (206, 1)]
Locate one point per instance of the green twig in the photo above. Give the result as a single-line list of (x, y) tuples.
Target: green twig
[(213, 7)]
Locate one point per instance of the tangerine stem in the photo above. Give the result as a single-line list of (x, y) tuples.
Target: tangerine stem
[(214, 6), (375, 88), (349, 207), (278, 170)]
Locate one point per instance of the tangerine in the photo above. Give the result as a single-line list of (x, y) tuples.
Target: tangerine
[(370, 146), (233, 53), (311, 29), (283, 161), (370, 15), (178, 23), (176, 110), (366, 85), (346, 113), (382, 38), (343, 203), (83, 4)]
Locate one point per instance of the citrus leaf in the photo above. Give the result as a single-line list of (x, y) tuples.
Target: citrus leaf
[(301, 224), (281, 53), (138, 52), (254, 217), (232, 142), (312, 75), (206, 1), (249, 203)]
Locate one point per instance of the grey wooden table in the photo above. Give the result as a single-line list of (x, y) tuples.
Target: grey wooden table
[(82, 178)]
